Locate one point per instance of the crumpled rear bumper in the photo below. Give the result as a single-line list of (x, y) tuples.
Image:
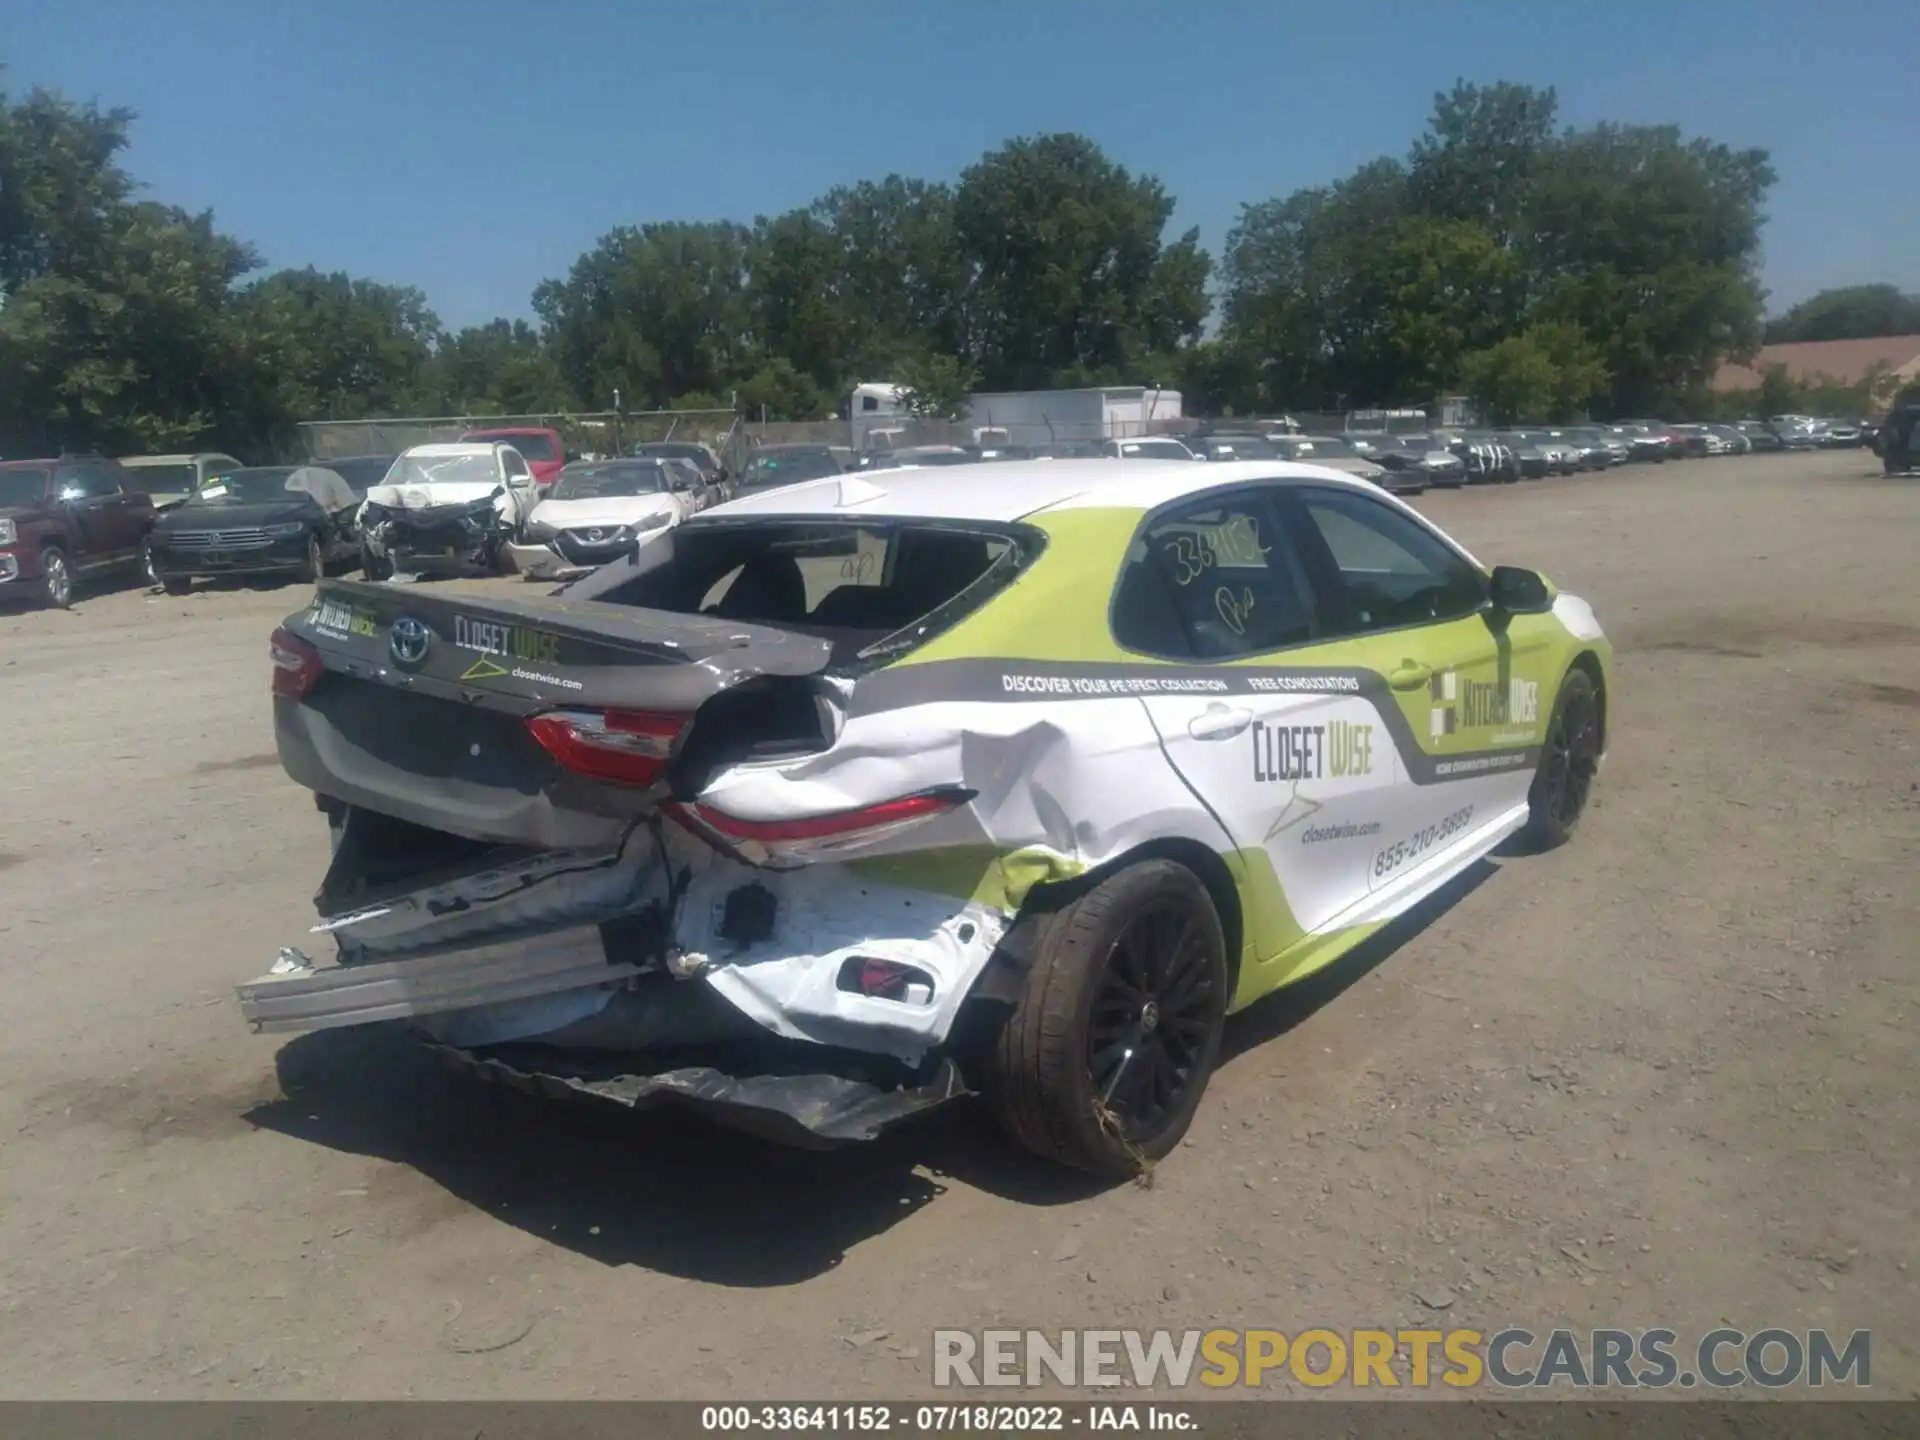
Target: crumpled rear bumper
[(807, 1108), (594, 974)]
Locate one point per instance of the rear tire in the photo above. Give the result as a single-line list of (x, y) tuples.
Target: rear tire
[(1568, 762), (1136, 964)]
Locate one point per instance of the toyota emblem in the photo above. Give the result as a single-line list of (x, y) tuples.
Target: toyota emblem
[(409, 640)]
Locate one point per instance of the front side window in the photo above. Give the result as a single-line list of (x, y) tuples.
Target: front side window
[(1212, 580), (1381, 569), (88, 482)]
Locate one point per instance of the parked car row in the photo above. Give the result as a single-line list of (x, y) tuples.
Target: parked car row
[(475, 506)]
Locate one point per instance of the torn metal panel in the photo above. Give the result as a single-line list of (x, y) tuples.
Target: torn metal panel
[(546, 891), (320, 999), (653, 1013), (811, 1110), (785, 973)]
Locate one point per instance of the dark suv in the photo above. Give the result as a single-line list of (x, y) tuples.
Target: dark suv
[(62, 521)]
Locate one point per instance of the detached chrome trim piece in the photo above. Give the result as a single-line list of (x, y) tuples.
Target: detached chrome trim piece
[(322, 999)]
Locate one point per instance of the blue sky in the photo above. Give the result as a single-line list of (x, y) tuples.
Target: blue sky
[(474, 149)]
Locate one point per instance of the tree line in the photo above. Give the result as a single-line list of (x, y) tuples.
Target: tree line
[(1543, 269)]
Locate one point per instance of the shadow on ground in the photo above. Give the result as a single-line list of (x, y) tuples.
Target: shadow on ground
[(670, 1192)]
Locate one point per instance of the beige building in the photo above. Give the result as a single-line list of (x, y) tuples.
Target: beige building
[(1895, 359)]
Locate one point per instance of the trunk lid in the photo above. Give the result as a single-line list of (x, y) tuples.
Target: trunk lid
[(420, 709)]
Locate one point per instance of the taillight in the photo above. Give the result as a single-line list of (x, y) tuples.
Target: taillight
[(296, 665), (628, 747), (794, 841)]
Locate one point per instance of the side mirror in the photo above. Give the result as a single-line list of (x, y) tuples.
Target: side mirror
[(1520, 592)]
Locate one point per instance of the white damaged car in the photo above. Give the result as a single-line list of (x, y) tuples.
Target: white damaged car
[(843, 800), (597, 511), (445, 510)]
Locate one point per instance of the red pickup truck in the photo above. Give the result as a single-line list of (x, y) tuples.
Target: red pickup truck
[(543, 450), (61, 521)]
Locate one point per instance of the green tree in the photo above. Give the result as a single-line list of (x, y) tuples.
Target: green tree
[(902, 284), (654, 312), (1482, 151), (1065, 264), (780, 390), (500, 368), (62, 189), (1852, 312), (1777, 395), (934, 387), (1513, 380), (131, 352), (796, 268)]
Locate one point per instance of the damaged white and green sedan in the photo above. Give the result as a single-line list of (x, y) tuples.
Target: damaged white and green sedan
[(845, 800)]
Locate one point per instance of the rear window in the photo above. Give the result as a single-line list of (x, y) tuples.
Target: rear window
[(163, 479), (674, 450), (876, 589), (788, 468)]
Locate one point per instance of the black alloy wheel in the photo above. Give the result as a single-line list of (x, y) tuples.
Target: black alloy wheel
[(1152, 1022), (1569, 760)]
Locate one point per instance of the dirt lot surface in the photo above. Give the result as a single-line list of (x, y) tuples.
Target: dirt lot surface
[(1666, 1075)]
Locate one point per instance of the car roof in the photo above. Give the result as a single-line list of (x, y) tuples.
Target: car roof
[(446, 450), (1010, 490)]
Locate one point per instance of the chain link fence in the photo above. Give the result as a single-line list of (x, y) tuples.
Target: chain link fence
[(603, 432), (735, 439)]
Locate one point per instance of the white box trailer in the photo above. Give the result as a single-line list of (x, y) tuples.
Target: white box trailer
[(878, 414), (1041, 417)]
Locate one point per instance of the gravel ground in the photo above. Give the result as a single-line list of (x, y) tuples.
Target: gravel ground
[(1663, 1076)]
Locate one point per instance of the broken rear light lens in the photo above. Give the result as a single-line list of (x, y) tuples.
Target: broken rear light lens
[(628, 747), (794, 841), (296, 665)]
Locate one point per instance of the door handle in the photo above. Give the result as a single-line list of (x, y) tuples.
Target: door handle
[(1219, 722), (1410, 676)]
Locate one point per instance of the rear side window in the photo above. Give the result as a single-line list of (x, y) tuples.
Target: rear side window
[(1212, 580), (877, 589)]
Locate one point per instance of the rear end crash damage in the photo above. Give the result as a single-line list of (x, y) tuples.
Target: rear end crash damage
[(807, 1005), (469, 535)]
